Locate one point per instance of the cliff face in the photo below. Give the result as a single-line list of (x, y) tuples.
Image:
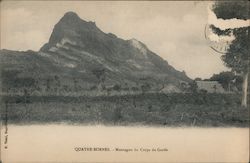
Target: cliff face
[(79, 56)]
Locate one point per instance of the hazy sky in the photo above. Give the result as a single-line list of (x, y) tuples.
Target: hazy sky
[(173, 30)]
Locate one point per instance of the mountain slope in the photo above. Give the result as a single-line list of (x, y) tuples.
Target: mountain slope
[(79, 56)]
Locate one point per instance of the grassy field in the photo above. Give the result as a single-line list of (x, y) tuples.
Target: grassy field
[(145, 109)]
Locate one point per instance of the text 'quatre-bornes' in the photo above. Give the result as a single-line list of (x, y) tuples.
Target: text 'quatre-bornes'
[(107, 149)]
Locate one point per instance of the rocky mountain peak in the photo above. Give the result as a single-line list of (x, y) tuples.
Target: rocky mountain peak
[(80, 45), (71, 19), (70, 14), (70, 26)]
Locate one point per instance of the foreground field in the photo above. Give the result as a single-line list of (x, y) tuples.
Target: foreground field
[(145, 109)]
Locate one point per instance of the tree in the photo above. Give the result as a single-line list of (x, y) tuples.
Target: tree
[(224, 78), (228, 79), (237, 55), (145, 88), (193, 87), (117, 87), (101, 76)]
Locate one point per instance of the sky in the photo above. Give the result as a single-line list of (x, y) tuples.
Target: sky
[(173, 30)]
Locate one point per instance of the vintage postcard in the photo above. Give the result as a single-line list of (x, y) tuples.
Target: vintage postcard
[(124, 81)]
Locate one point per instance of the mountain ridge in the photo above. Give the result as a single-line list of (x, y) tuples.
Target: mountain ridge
[(79, 50)]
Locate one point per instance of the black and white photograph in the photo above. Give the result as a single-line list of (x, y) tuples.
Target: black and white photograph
[(124, 81)]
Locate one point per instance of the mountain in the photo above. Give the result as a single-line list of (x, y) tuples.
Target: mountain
[(80, 57)]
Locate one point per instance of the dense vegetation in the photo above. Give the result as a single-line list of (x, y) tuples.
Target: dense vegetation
[(197, 109), (228, 80)]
